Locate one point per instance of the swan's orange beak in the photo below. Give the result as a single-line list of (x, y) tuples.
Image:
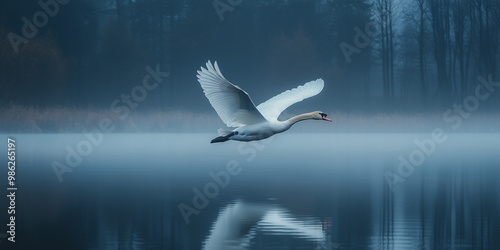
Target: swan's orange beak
[(326, 119)]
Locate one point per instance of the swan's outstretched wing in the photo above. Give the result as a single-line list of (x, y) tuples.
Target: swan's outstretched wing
[(232, 104), (272, 108)]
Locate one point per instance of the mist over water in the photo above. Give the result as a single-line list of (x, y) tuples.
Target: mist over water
[(112, 126), (294, 191)]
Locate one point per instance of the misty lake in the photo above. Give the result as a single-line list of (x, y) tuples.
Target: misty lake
[(291, 191)]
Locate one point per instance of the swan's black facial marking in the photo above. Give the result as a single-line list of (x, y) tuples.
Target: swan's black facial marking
[(323, 116), (235, 132)]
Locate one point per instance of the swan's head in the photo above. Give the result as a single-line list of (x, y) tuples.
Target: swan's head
[(318, 115)]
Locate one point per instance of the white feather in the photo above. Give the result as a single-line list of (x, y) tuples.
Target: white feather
[(232, 104), (272, 108)]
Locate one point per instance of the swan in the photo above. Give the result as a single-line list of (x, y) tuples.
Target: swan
[(236, 109)]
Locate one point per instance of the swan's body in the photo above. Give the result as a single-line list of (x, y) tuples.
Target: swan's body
[(236, 109)]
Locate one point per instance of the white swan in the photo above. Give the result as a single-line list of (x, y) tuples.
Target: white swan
[(236, 109)]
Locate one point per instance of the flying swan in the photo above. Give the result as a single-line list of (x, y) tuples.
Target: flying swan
[(236, 109)]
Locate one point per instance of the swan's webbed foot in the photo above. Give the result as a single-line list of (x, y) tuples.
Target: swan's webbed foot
[(222, 138)]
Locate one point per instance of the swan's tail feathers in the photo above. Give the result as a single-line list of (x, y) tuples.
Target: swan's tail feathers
[(222, 138), (223, 132)]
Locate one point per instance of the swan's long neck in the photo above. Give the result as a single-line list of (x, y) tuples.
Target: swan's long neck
[(299, 118)]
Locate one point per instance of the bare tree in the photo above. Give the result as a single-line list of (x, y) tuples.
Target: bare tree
[(385, 13), (439, 13), (489, 30), (421, 49), (461, 48)]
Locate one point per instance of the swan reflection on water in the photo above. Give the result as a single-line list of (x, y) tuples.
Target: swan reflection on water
[(238, 224)]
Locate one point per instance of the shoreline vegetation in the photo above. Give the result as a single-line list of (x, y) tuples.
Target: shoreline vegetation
[(30, 119)]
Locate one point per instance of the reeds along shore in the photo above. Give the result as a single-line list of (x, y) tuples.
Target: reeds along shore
[(30, 119)]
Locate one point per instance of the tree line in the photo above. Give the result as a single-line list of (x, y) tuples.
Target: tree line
[(372, 54)]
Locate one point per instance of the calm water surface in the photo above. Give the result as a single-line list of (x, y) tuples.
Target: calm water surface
[(293, 191)]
